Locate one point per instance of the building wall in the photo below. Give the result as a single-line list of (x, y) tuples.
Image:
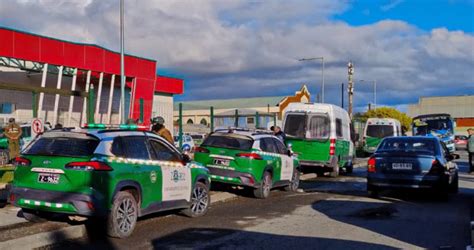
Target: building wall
[(163, 106), (197, 115), (456, 106)]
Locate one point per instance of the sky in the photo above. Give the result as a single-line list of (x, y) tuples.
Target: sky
[(232, 48)]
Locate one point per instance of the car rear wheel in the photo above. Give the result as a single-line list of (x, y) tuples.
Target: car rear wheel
[(372, 191), (123, 215), (294, 183), (263, 191), (454, 186), (200, 200)]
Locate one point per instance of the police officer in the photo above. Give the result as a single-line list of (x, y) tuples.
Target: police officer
[(159, 128), (13, 134)]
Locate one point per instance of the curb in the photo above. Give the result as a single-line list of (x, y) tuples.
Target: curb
[(74, 232), (308, 176), (44, 239)]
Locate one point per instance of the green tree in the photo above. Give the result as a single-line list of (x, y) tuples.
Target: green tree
[(387, 112)]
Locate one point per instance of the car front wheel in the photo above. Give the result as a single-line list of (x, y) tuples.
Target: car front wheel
[(200, 200), (123, 215), (294, 183)]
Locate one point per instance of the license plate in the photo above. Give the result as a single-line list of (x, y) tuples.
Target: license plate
[(402, 166), (222, 162), (48, 178)]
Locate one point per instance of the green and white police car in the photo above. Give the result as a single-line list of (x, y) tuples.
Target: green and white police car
[(109, 175), (250, 159)]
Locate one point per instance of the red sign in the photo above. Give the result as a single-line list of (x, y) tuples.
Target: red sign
[(37, 126)]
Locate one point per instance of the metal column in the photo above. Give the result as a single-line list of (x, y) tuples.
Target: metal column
[(212, 119), (43, 84), (99, 94), (84, 104), (111, 96), (71, 98), (56, 97)]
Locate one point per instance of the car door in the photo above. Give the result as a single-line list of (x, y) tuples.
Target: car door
[(268, 146), (287, 163), (175, 181), (136, 151)]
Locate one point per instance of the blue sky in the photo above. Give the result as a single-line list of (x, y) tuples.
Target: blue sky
[(425, 14)]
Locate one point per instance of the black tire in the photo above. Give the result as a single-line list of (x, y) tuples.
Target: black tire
[(454, 186), (294, 183), (263, 191), (32, 215), (123, 215), (335, 171), (200, 200), (372, 191)]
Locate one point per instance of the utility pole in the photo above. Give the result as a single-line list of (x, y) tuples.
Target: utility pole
[(350, 87), (122, 65), (342, 95)]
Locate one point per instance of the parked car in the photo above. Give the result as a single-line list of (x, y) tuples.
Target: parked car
[(118, 173), (412, 162), (198, 138), (460, 141), (250, 159), (321, 134), (188, 143)]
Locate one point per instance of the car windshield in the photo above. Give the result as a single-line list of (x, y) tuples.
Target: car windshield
[(228, 141), (295, 125), (380, 131), (196, 137), (74, 146), (420, 145)]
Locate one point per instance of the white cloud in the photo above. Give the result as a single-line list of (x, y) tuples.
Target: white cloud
[(240, 48)]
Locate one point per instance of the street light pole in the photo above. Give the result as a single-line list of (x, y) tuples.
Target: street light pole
[(322, 72), (374, 82), (122, 64)]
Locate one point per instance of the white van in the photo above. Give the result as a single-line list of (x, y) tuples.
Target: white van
[(378, 128), (321, 135)]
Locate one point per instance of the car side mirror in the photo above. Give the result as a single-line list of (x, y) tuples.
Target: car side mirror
[(186, 159), (289, 152)]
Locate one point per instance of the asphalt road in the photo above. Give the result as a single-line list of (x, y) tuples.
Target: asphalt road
[(329, 214)]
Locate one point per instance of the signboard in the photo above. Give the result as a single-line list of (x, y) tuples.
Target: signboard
[(37, 127), (176, 183)]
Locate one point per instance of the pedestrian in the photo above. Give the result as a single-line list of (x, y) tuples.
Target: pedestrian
[(160, 129), (272, 128), (58, 126), (13, 134), (470, 148), (278, 133)]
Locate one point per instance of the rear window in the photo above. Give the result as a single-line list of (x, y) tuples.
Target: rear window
[(197, 137), (295, 125), (380, 131), (228, 141), (63, 146), (319, 127), (408, 145)]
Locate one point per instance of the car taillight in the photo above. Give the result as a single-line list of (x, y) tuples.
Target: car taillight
[(254, 156), (436, 167), (332, 147), (371, 165), (89, 166), (201, 150), (20, 161)]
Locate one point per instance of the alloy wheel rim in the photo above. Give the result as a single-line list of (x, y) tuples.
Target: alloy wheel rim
[(126, 215), (266, 184), (199, 200)]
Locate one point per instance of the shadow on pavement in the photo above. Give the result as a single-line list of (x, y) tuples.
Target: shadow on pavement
[(217, 238), (412, 222)]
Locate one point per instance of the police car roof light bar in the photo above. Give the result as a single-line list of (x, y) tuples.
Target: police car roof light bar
[(115, 126)]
